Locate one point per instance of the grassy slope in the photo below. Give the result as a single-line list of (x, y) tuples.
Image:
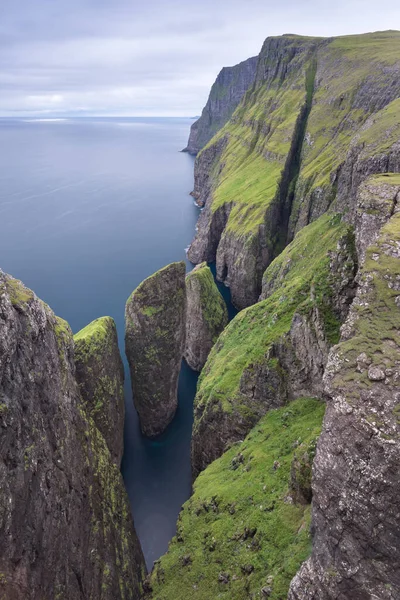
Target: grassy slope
[(260, 131), (301, 275), (239, 521), (213, 306)]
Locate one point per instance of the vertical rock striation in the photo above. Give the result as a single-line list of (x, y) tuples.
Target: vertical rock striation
[(321, 116), (356, 479), (206, 316), (66, 530), (154, 340), (100, 375), (225, 95)]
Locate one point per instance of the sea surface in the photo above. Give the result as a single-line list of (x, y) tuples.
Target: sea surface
[(88, 209)]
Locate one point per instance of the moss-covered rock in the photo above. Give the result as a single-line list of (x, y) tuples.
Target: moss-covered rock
[(155, 316), (321, 117), (356, 480), (100, 375), (277, 349), (241, 530), (66, 531), (206, 315)]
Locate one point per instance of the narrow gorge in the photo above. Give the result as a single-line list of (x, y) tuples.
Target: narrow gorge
[(296, 435)]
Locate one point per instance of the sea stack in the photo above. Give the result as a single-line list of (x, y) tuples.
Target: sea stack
[(206, 315), (100, 375), (154, 344)]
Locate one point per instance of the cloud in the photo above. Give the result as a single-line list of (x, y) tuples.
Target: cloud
[(154, 58)]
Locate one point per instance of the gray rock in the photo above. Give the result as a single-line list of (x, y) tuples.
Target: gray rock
[(100, 375), (356, 480), (206, 316), (65, 523), (155, 317), (225, 95)]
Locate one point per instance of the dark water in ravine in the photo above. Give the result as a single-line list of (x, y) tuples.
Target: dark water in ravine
[(88, 209)]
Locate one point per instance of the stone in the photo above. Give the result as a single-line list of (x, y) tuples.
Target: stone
[(155, 316), (206, 316), (100, 375)]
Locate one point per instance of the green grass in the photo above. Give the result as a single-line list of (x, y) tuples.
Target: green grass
[(92, 339), (212, 304), (240, 521), (299, 279)]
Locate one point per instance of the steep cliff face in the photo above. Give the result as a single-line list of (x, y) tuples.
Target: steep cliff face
[(226, 93), (245, 529), (206, 316), (356, 483), (155, 317), (277, 349), (321, 117), (100, 375), (65, 526)]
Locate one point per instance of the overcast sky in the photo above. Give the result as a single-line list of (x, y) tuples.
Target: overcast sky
[(154, 57)]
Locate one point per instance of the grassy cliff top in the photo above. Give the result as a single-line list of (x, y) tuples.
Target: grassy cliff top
[(240, 531), (355, 101), (94, 338)]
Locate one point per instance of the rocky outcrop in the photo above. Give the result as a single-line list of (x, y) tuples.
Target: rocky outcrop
[(277, 349), (206, 316), (155, 317), (66, 530), (225, 95), (100, 375), (269, 172), (356, 479)]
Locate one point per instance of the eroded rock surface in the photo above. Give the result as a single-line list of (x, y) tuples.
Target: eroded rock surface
[(155, 317), (225, 95), (206, 316), (66, 530), (100, 375), (356, 480)]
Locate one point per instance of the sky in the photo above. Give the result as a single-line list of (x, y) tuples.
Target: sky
[(149, 58)]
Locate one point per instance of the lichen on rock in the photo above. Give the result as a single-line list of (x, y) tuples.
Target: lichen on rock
[(66, 530), (100, 375), (206, 316), (155, 316)]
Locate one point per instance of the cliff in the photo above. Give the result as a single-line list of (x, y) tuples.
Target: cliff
[(155, 316), (243, 534), (206, 316), (100, 375), (356, 479), (321, 117), (277, 349), (225, 95), (66, 530)]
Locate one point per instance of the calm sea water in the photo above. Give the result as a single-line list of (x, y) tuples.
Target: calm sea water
[(88, 209)]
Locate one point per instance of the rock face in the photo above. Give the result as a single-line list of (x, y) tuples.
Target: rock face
[(65, 525), (356, 480), (321, 116), (206, 316), (100, 375), (226, 93), (154, 341), (277, 350)]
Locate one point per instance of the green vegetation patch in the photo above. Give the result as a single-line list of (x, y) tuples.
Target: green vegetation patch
[(213, 306), (18, 293), (299, 280), (240, 531), (93, 339)]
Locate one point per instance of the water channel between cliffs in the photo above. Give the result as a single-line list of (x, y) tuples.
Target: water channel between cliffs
[(89, 208)]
